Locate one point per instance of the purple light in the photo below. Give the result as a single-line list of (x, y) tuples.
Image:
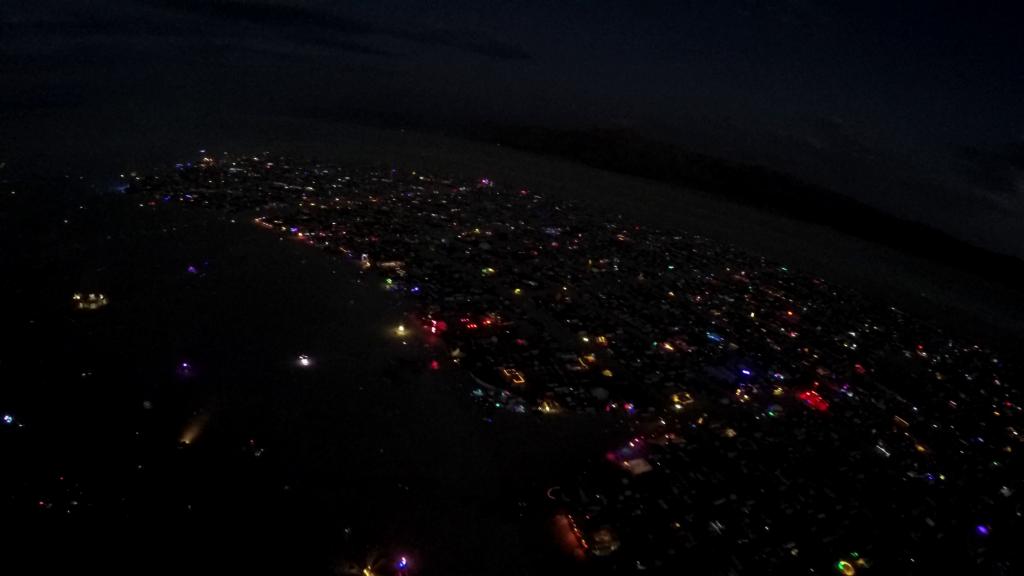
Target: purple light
[(982, 530), (192, 269), (745, 372), (293, 229), (184, 370), (403, 563)]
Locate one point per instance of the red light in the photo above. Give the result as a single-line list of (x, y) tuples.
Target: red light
[(472, 326), (814, 400), (435, 365)]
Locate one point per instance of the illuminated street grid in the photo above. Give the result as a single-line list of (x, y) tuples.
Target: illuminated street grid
[(779, 424)]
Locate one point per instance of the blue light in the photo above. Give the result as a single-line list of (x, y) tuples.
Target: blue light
[(982, 530), (714, 337), (8, 419), (745, 372), (415, 289)]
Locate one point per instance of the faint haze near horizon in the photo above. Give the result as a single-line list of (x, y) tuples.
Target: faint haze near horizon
[(913, 108)]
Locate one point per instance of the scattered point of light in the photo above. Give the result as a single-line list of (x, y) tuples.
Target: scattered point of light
[(8, 419), (194, 428), (402, 563)]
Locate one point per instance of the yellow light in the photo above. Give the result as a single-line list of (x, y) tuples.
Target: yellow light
[(548, 407), (400, 330), (518, 291), (606, 373)]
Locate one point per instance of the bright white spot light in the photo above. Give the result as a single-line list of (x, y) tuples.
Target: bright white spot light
[(304, 361)]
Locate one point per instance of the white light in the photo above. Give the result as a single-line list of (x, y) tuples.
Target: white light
[(304, 360)]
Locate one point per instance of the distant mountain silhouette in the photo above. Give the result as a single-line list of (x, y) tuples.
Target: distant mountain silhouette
[(620, 151)]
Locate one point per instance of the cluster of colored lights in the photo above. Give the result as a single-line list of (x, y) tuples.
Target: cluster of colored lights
[(814, 400)]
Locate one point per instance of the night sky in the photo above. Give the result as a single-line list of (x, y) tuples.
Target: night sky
[(910, 106)]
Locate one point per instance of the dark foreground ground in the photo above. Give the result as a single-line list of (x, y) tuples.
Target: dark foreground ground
[(364, 453)]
